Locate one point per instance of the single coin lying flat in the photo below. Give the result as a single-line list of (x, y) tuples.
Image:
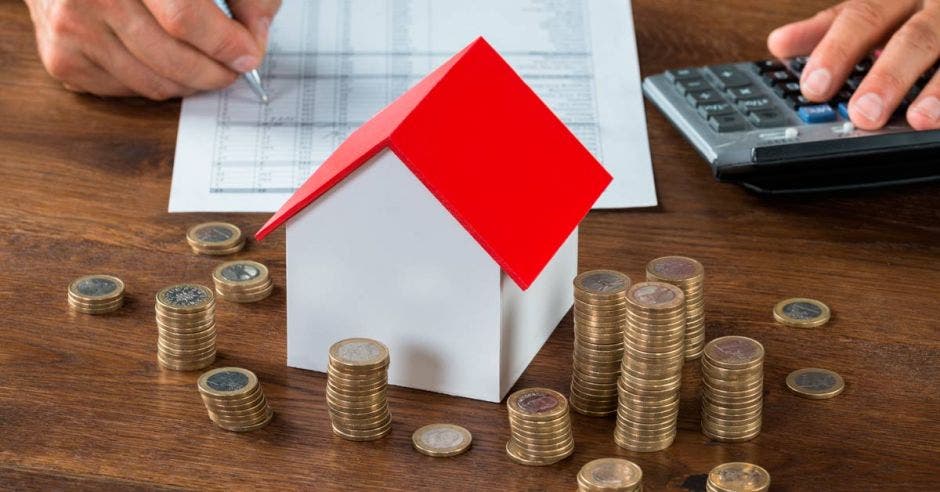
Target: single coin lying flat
[(801, 312)]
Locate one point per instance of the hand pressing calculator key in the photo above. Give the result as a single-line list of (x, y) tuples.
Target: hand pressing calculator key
[(752, 125)]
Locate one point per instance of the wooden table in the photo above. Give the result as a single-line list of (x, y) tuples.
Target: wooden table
[(84, 404)]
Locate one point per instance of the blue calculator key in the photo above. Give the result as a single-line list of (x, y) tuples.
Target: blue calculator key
[(844, 110), (819, 113)]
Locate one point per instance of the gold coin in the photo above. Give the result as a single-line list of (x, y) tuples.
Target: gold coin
[(602, 283), (91, 288), (185, 298), (441, 440), (358, 354), (739, 477), (214, 236), (675, 269), (734, 352), (227, 382), (537, 403), (815, 383), (801, 312)]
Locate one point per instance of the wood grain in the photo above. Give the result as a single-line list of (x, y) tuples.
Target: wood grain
[(83, 404)]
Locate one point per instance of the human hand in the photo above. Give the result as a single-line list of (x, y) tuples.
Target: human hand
[(154, 48), (840, 36)]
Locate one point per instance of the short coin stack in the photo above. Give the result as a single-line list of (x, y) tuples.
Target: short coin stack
[(185, 327), (610, 475), (242, 281), (234, 399), (357, 378), (96, 294), (600, 309), (215, 238), (441, 440), (654, 344), (737, 477), (539, 426), (688, 275), (732, 388)]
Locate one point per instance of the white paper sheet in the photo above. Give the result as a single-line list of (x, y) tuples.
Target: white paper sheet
[(332, 64)]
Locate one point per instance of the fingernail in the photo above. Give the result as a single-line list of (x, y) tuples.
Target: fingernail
[(929, 107), (870, 106), (245, 64), (817, 82)]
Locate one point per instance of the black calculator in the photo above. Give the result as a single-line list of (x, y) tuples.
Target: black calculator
[(752, 125)]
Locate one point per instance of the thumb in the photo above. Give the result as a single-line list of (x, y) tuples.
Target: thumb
[(256, 15)]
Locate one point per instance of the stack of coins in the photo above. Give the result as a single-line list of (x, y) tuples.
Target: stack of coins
[(215, 238), (96, 294), (357, 378), (610, 475), (242, 281), (737, 477), (654, 348), (441, 440), (234, 399), (540, 427), (732, 388), (801, 312), (688, 275), (185, 327), (600, 310)]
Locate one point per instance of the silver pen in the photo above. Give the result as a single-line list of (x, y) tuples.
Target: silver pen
[(253, 77)]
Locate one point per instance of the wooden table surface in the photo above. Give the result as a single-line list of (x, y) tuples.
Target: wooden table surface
[(83, 403)]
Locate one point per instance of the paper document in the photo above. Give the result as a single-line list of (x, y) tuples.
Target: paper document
[(332, 64)]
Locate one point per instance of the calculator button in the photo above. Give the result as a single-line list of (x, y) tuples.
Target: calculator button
[(764, 66), (797, 101), (730, 122), (844, 110), (798, 63), (766, 118), (843, 95), (861, 68), (820, 113), (853, 82), (681, 74), (691, 85), (755, 104), (785, 89), (708, 110), (779, 76), (703, 97), (745, 92), (729, 76)]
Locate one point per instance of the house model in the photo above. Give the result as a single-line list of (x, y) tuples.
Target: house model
[(444, 227)]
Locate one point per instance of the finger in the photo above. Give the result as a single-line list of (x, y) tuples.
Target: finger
[(909, 53), (202, 24), (799, 38), (113, 57), (93, 79), (924, 113), (257, 16), (165, 55), (857, 28)]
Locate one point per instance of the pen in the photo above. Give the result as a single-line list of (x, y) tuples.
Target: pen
[(253, 77)]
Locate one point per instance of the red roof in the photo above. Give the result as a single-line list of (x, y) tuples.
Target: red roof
[(488, 149)]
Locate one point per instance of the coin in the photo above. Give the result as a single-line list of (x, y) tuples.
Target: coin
[(215, 238), (441, 440), (185, 316), (234, 400), (801, 312), (540, 427), (242, 281), (815, 383), (732, 389), (96, 294), (689, 275), (356, 389), (738, 477)]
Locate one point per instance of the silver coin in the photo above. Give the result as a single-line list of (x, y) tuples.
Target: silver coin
[(802, 310), (240, 272), (227, 381), (603, 282), (186, 295), (359, 351), (214, 234), (96, 286)]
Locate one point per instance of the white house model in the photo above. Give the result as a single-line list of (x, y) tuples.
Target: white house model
[(446, 228)]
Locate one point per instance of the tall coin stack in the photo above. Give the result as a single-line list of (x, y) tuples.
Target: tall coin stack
[(234, 399), (688, 275), (654, 345), (539, 427), (600, 310), (732, 388), (357, 378), (185, 327), (242, 281)]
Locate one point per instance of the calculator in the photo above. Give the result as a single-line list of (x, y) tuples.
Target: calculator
[(752, 125)]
